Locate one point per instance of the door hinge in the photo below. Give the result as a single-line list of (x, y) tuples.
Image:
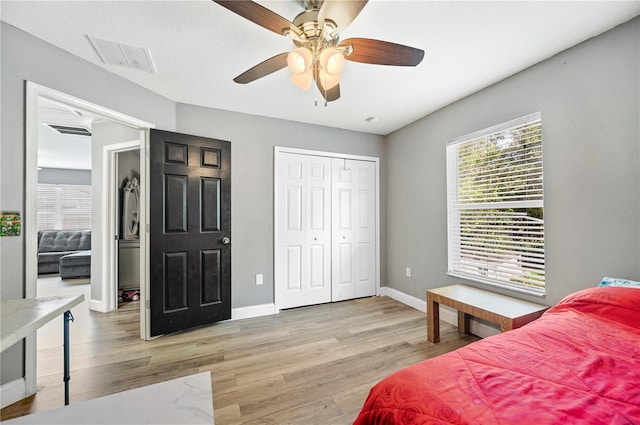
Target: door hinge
[(147, 304), (148, 227)]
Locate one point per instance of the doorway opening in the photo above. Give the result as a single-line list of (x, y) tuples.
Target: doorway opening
[(127, 184), (64, 197), (102, 254), (122, 270)]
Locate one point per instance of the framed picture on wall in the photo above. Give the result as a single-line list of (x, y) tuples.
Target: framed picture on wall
[(10, 223)]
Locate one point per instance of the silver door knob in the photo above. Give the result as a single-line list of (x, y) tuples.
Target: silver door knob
[(226, 240)]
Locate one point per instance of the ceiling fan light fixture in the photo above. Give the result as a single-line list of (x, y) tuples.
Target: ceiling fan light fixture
[(332, 61), (302, 80), (328, 81), (299, 60)]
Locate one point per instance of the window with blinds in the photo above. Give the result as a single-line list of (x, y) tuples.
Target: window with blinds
[(64, 207), (495, 205)]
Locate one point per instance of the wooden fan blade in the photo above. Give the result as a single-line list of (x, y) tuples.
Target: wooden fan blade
[(262, 69), (331, 94), (367, 50), (259, 15), (341, 12)]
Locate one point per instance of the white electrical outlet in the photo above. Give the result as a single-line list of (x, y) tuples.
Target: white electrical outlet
[(259, 279), (407, 271)]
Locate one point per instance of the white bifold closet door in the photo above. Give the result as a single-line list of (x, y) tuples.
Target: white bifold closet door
[(326, 229), (304, 226), (353, 229)]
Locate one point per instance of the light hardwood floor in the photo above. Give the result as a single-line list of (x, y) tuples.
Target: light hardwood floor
[(312, 365)]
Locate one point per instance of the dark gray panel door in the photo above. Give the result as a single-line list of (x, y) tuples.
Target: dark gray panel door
[(190, 231)]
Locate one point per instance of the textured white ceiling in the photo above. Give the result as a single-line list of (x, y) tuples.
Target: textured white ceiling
[(199, 47)]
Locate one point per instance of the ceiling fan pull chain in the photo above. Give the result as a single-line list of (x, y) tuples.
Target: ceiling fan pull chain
[(324, 86)]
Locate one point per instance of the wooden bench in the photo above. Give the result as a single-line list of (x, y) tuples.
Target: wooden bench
[(509, 313)]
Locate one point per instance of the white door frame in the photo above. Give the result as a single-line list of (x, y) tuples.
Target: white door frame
[(110, 226), (277, 281), (33, 93)]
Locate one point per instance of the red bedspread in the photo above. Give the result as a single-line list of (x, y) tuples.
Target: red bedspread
[(577, 364)]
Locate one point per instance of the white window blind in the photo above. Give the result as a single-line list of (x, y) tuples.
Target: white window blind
[(64, 207), (495, 205)]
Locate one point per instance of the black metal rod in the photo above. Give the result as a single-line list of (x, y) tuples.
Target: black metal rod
[(68, 317)]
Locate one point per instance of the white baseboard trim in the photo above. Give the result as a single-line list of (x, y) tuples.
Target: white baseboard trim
[(236, 313), (447, 314), (96, 305), (406, 299), (253, 311), (12, 392)]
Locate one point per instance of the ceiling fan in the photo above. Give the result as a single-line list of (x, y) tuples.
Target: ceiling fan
[(319, 54)]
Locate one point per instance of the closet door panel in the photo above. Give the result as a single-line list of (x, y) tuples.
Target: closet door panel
[(316, 264), (291, 261), (293, 267), (353, 229), (365, 232), (304, 230), (318, 230), (343, 287)]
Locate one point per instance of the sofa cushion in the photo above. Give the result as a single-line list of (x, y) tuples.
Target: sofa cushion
[(75, 265), (52, 257), (64, 240), (75, 259)]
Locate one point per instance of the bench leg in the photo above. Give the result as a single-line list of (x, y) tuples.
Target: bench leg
[(464, 323), (433, 320)]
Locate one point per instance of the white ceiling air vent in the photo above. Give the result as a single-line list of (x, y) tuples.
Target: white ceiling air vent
[(68, 129), (113, 53)]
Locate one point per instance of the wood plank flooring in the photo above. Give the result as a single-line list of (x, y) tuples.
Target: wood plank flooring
[(311, 365)]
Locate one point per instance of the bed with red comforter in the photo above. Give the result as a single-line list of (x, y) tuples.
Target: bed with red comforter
[(577, 364)]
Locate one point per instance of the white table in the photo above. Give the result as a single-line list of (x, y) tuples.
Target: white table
[(23, 316), (187, 400)]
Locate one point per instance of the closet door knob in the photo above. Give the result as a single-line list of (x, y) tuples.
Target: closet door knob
[(226, 240)]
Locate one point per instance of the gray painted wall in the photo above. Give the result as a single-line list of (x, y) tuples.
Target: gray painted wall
[(589, 98), (128, 166), (24, 57), (252, 141), (104, 133), (64, 176)]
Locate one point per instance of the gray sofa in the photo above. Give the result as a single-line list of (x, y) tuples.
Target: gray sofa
[(67, 252)]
